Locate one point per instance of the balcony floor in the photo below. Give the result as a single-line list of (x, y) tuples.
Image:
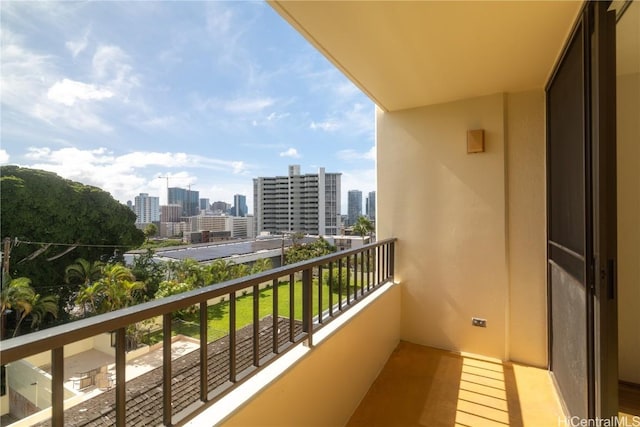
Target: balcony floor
[(423, 386)]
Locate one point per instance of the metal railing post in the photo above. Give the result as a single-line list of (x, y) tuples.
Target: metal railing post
[(319, 294), (307, 305), (57, 387), (121, 377), (392, 259), (232, 337), (166, 369), (292, 308), (276, 316), (204, 352), (256, 326)]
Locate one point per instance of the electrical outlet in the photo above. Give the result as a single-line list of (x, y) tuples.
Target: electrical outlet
[(481, 323)]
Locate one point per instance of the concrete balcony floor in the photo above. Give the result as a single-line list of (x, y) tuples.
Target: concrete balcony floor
[(423, 386)]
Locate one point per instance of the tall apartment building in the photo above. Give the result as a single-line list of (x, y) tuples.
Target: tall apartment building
[(239, 227), (204, 204), (146, 208), (354, 206), (187, 198), (239, 207), (308, 203), (170, 213), (371, 206)]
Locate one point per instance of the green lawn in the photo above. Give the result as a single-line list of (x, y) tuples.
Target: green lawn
[(218, 314)]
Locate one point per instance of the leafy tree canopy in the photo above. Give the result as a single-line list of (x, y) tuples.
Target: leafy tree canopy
[(363, 226), (302, 252), (150, 230), (41, 206)]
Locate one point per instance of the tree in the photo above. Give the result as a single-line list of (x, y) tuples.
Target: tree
[(17, 294), (260, 265), (306, 251), (220, 271), (363, 226), (40, 206), (150, 230), (149, 271), (118, 288), (83, 272), (41, 307), (89, 294)]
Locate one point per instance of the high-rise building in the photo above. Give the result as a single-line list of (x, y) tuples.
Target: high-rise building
[(371, 206), (170, 213), (204, 204), (354, 206), (239, 207), (308, 203), (220, 207), (146, 208), (188, 199)]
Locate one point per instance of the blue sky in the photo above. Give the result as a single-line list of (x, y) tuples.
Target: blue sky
[(211, 94)]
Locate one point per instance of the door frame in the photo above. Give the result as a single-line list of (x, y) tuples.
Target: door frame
[(600, 228)]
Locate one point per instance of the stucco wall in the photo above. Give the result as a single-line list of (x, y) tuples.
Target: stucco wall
[(448, 210), (470, 227), (629, 226), (334, 376), (526, 207)]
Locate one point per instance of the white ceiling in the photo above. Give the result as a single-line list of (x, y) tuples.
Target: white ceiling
[(414, 53)]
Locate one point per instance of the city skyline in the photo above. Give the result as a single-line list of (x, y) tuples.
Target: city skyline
[(135, 97)]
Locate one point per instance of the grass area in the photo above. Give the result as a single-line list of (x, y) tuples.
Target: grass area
[(218, 314)]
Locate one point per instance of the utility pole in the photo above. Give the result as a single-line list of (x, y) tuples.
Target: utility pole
[(6, 252)]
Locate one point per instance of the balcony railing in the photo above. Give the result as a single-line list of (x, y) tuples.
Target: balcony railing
[(359, 272)]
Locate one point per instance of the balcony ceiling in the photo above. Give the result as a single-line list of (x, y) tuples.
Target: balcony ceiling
[(415, 53)]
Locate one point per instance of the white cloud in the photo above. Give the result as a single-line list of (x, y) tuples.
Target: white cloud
[(291, 152), (248, 105), (76, 117), (351, 154), (67, 92), (330, 125), (128, 174), (24, 73), (110, 62), (4, 156), (356, 119), (30, 85), (163, 122), (78, 46), (275, 116)]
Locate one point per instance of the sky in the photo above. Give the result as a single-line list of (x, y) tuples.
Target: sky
[(210, 94)]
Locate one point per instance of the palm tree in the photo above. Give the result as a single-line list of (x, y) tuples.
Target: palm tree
[(86, 274), (18, 295), (220, 271), (83, 272), (89, 294), (42, 306), (118, 286), (261, 265), (363, 226)]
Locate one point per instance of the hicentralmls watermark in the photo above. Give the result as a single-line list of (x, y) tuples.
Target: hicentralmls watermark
[(599, 422)]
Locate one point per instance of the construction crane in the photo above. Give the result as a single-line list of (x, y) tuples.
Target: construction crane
[(188, 191)]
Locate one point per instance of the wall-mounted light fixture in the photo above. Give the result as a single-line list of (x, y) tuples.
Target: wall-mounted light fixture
[(475, 141)]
